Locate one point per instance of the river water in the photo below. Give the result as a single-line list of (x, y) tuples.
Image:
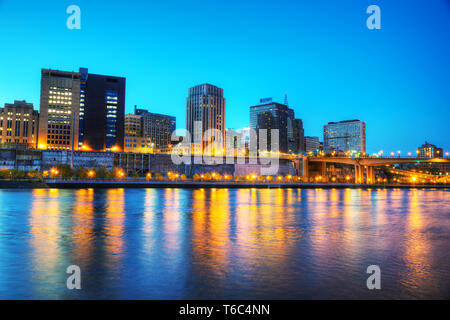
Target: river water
[(224, 244)]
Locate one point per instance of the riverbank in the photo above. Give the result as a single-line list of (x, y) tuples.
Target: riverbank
[(108, 184), (22, 184), (60, 184)]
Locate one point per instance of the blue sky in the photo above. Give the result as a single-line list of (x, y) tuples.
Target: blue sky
[(320, 53)]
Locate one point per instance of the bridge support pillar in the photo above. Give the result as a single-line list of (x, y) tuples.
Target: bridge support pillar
[(305, 169), (372, 178), (370, 175), (324, 170), (357, 173)]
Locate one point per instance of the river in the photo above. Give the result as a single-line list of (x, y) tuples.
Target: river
[(225, 244)]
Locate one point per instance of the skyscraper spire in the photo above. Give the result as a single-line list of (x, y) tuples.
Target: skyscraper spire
[(286, 100)]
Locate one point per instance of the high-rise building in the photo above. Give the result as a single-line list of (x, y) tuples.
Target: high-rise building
[(159, 128), (233, 141), (59, 110), (271, 115), (147, 125), (299, 136), (206, 107), (135, 144), (346, 136), (312, 144), (428, 150), (102, 111), (133, 125), (19, 125)]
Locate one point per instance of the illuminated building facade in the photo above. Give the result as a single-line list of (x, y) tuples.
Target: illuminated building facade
[(312, 144), (205, 106), (59, 110), (233, 141), (428, 150), (133, 125), (19, 125), (346, 136), (135, 144), (102, 111), (159, 128)]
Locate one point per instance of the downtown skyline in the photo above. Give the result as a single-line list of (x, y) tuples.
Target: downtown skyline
[(399, 90)]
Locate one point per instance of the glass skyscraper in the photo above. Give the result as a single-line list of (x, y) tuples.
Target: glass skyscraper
[(346, 136), (272, 115), (102, 111)]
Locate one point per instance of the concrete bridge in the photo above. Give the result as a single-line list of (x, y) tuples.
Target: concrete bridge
[(367, 164)]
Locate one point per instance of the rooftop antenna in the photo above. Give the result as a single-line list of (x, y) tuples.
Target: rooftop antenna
[(286, 100)]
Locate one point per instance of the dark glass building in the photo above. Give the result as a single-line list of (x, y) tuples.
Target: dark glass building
[(272, 115), (102, 111)]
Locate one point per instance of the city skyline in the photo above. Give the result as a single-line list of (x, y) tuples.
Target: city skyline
[(386, 84)]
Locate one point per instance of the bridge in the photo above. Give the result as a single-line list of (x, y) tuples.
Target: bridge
[(363, 163)]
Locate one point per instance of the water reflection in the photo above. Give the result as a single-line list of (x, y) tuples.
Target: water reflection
[(206, 243), (417, 247), (83, 226), (114, 225)]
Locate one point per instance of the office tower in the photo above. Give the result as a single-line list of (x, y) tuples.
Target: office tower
[(428, 150), (19, 125), (156, 127), (272, 115), (312, 144), (159, 128), (83, 82), (59, 110), (346, 136), (135, 144), (232, 141), (103, 111), (133, 125), (206, 107), (299, 136)]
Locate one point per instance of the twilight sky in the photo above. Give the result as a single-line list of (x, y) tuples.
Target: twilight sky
[(319, 52)]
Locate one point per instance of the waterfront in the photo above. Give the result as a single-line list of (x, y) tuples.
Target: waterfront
[(224, 243)]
